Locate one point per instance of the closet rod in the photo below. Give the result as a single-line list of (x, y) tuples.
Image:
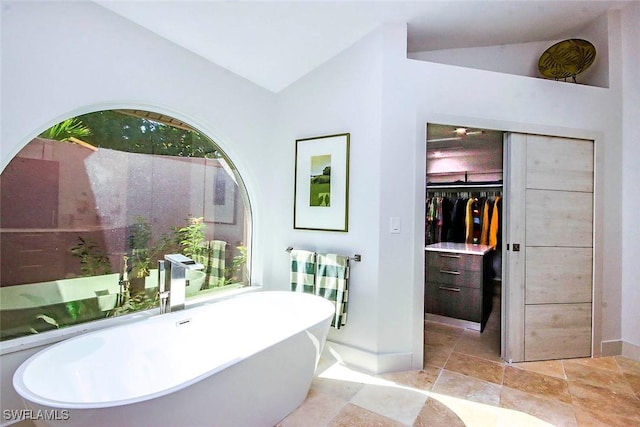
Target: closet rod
[(461, 186)]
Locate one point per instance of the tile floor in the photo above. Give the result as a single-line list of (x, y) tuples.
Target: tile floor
[(465, 383)]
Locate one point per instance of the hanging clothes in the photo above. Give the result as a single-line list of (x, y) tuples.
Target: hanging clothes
[(458, 227), (431, 225), (495, 235), (472, 221), (486, 221), (446, 210)]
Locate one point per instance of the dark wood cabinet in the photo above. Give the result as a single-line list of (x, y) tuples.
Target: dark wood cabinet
[(456, 279)]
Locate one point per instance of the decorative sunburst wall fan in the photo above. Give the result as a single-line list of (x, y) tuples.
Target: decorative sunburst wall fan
[(566, 59)]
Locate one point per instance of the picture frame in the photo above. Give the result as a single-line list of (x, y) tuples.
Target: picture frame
[(321, 188)]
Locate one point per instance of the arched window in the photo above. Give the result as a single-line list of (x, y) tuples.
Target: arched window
[(89, 207)]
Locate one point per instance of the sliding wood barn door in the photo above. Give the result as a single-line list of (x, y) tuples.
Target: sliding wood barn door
[(549, 233)]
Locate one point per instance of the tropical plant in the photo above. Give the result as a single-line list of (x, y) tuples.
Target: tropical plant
[(142, 252), (235, 272), (63, 131), (93, 261), (138, 242), (191, 237), (42, 323), (140, 234), (140, 301), (120, 131)]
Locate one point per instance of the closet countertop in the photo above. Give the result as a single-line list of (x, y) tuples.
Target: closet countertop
[(464, 248)]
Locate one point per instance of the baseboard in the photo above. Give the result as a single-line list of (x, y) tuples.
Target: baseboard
[(611, 348), (631, 351), (620, 348), (375, 363)]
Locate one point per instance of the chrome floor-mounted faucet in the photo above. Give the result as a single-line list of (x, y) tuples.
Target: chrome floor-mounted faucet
[(172, 281)]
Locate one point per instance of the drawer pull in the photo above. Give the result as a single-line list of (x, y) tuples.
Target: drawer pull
[(446, 288), (455, 273), (449, 256)]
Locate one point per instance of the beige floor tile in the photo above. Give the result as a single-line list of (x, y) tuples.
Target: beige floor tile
[(634, 382), (552, 368), (438, 339), (354, 416), (471, 413), (436, 414), (316, 411), (460, 386), (627, 365), (475, 367), (343, 389), (464, 387), (436, 356), (485, 345), (538, 384), (551, 410), (394, 402), (442, 328), (597, 362), (493, 324), (24, 423), (605, 402), (613, 380), (588, 417), (422, 380), (438, 346)]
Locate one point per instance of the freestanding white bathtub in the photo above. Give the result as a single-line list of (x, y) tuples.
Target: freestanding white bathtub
[(245, 361)]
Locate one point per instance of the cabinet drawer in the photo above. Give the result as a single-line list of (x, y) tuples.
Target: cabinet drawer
[(455, 277), (454, 261), (454, 301)]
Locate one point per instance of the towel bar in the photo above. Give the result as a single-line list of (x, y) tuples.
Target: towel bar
[(356, 257)]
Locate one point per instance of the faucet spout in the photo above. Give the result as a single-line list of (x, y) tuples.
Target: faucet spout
[(172, 281)]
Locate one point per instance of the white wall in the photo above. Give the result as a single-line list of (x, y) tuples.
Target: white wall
[(631, 180), (343, 95)]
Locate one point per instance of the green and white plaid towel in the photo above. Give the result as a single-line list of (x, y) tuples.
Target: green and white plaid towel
[(215, 261), (303, 268), (217, 249), (332, 278)]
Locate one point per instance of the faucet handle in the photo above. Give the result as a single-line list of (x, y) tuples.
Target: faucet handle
[(162, 283), (183, 261)]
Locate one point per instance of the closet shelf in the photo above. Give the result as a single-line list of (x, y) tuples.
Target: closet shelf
[(464, 185)]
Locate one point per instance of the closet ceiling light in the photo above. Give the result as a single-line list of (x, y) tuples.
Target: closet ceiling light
[(458, 134), (464, 132)]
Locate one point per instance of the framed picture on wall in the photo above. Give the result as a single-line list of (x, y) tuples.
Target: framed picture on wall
[(321, 190), (220, 196)]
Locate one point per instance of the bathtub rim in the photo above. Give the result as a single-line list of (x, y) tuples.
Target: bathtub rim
[(33, 398), (48, 338)]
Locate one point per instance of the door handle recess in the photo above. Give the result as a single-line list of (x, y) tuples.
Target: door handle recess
[(446, 288)]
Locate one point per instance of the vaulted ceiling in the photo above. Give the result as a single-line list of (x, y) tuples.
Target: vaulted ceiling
[(274, 43)]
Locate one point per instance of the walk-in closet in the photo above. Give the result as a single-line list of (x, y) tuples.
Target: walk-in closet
[(509, 247), (463, 230)]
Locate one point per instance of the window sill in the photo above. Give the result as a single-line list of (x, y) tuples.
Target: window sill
[(52, 337)]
